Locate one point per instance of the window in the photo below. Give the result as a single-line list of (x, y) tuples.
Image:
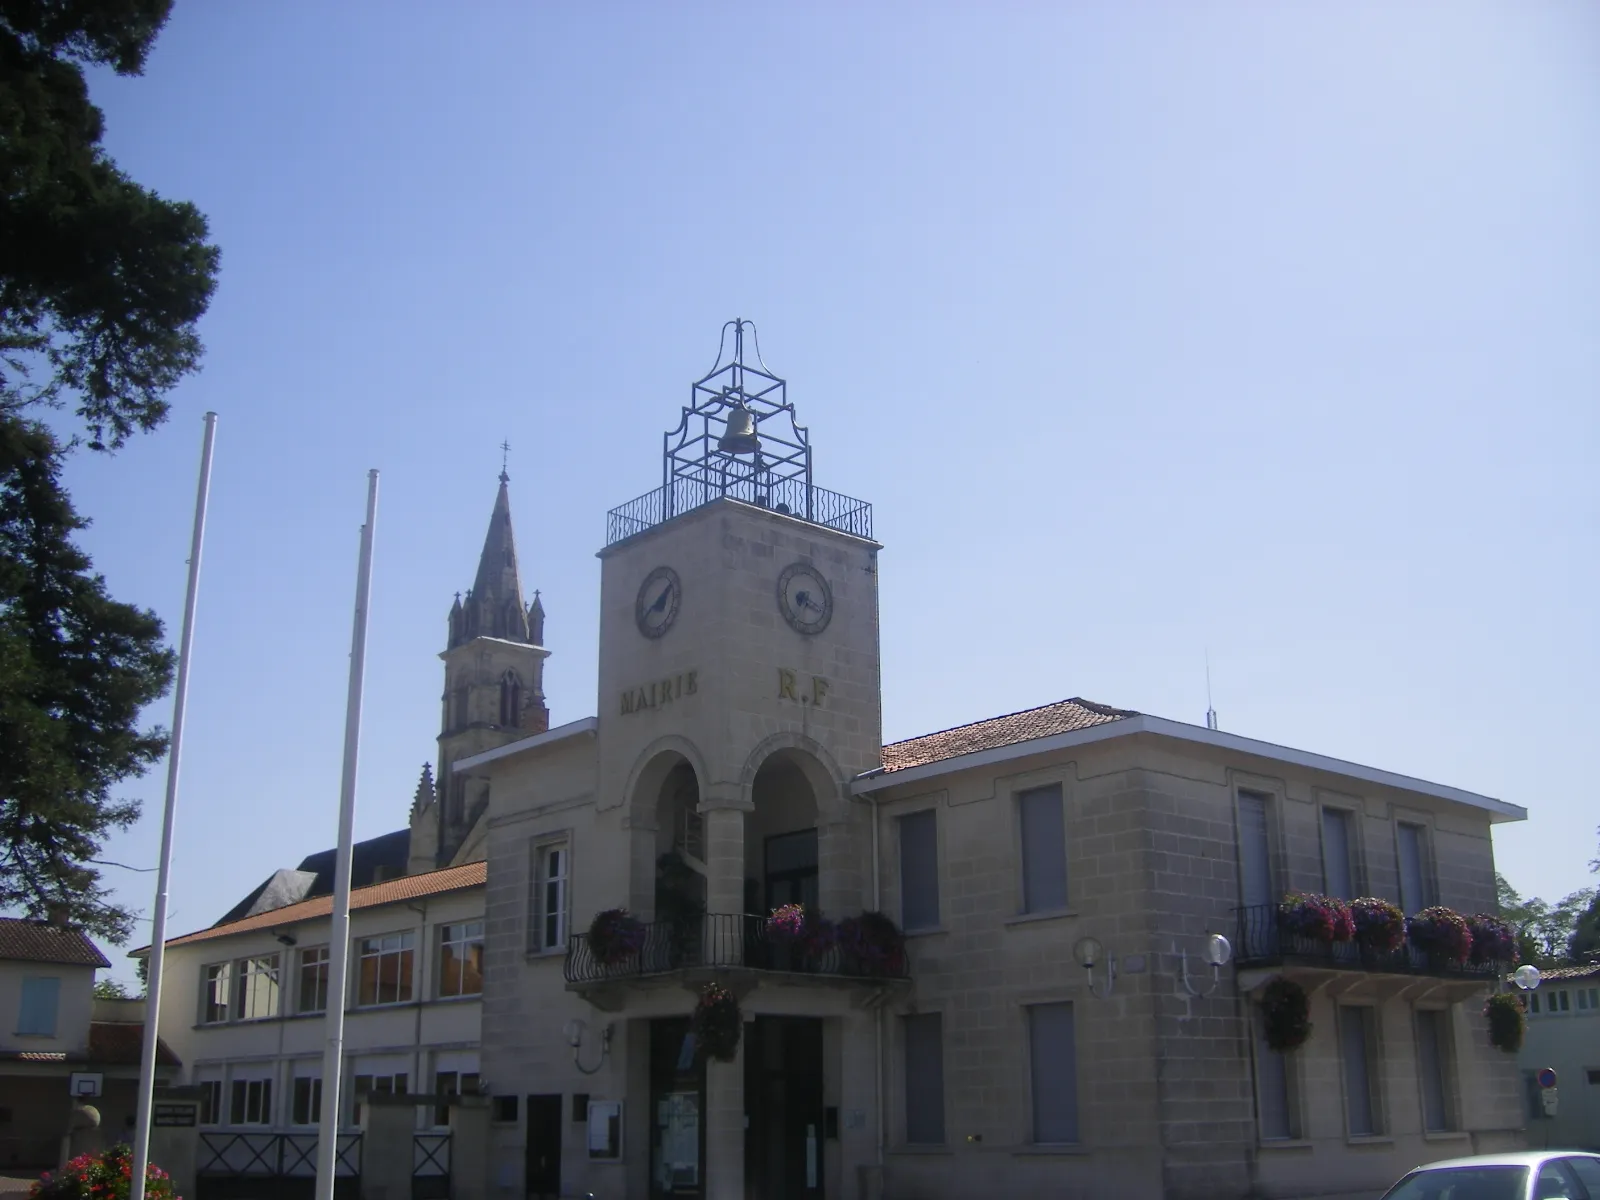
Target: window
[(1415, 894), (924, 1055), (461, 959), (1357, 1042), (919, 870), (252, 1102), (397, 1084), (218, 984), (1432, 1049), (1044, 849), (313, 979), (41, 997), (258, 987), (1255, 852), (1053, 1067), (550, 897), (510, 700), (1338, 867), (387, 965), (1272, 1087), (210, 1101), (307, 1107), (452, 1083)]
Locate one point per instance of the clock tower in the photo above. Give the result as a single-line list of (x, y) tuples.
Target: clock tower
[(739, 682)]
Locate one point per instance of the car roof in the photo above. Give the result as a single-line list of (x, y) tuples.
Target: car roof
[(1520, 1158)]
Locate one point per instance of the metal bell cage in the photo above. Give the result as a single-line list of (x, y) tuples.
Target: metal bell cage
[(738, 439)]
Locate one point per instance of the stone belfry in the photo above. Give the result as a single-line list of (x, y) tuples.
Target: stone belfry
[(493, 683)]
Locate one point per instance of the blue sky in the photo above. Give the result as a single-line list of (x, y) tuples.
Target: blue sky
[(1149, 330)]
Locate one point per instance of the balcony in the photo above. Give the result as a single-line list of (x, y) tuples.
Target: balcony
[(1262, 940), (715, 946), (791, 497)]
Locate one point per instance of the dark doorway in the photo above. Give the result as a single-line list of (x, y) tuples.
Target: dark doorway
[(544, 1147), (783, 1098), (791, 869), (677, 1102)]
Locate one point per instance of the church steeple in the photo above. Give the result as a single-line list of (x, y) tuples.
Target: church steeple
[(494, 608)]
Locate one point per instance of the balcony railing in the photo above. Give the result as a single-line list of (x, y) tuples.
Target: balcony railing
[(721, 941), (1263, 940), (792, 497)]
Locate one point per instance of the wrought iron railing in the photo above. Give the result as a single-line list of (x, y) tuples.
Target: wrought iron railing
[(722, 940), (1263, 939), (792, 497)]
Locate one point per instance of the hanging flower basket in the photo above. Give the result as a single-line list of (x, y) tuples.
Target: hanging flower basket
[(1493, 940), (105, 1176), (717, 1023), (1286, 1013), (1319, 918), (787, 923), (1380, 926), (1442, 934), (615, 936), (875, 943), (1507, 1023)]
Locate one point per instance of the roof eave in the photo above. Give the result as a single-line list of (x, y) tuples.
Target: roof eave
[(561, 733), (1499, 810)]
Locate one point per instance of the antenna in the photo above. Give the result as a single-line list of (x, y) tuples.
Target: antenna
[(1211, 713)]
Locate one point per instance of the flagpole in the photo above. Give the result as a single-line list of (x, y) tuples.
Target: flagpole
[(339, 938), (158, 931)]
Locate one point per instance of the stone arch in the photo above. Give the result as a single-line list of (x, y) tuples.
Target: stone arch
[(830, 787), (650, 770)]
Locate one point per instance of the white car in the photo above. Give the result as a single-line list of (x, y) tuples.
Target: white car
[(1531, 1175)]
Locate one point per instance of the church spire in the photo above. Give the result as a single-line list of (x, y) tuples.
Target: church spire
[(494, 607)]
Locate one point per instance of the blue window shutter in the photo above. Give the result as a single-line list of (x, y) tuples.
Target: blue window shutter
[(41, 996)]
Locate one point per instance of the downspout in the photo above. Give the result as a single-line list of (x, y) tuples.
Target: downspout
[(877, 906)]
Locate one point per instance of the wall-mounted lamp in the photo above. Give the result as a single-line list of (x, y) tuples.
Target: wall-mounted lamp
[(1218, 952), (1087, 952), (1526, 977), (574, 1030)]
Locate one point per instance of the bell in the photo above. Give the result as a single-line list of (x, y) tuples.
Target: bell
[(740, 436)]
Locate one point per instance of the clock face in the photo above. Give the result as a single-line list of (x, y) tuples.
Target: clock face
[(657, 606), (804, 598)]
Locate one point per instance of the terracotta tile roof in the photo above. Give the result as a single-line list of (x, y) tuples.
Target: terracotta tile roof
[(391, 891), (40, 941), (118, 1043), (1064, 716)]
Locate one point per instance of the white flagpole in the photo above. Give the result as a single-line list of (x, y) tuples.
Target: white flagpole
[(158, 930), (339, 938)]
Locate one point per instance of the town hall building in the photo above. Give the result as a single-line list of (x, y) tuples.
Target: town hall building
[(1030, 954)]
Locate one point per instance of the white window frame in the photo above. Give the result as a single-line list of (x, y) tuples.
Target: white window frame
[(256, 1092), (539, 902), (212, 1100), (461, 936), (210, 975), (248, 971), (313, 1098), (320, 967), (400, 944)]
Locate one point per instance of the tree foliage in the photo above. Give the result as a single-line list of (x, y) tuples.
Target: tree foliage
[(102, 281), (76, 669)]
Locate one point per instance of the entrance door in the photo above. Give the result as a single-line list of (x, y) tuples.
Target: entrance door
[(544, 1147), (783, 1101)]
